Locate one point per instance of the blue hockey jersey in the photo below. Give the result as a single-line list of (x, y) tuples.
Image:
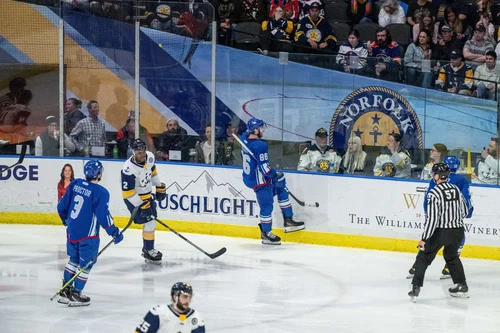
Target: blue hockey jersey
[(256, 171), (85, 208), (462, 184)]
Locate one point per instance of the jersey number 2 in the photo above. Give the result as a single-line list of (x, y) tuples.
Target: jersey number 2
[(77, 207)]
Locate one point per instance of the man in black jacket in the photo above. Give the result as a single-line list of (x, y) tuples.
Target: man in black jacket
[(173, 139)]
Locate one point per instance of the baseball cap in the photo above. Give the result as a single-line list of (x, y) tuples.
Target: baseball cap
[(321, 132), (446, 28), (50, 120), (455, 54)]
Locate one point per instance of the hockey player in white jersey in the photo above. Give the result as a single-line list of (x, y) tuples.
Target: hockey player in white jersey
[(176, 317), (139, 175)]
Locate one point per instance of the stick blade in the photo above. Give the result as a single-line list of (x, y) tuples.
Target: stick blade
[(218, 253)]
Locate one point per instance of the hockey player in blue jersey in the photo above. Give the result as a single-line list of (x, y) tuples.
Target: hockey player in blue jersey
[(463, 185), (138, 176), (266, 182), (83, 209)]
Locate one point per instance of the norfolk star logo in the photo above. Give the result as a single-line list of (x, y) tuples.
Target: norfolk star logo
[(372, 113), (203, 195)]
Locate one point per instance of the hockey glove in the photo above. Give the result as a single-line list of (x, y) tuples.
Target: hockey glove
[(279, 181), (161, 192), (114, 232), (146, 212), (65, 222)]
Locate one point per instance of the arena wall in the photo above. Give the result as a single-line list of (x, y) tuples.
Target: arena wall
[(353, 212)]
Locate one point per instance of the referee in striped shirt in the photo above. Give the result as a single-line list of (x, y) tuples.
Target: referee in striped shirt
[(443, 227)]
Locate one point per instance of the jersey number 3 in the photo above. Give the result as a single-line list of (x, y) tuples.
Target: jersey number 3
[(77, 206)]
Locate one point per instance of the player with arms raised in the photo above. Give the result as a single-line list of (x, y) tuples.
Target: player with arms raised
[(139, 175), (266, 182), (83, 209), (176, 317)]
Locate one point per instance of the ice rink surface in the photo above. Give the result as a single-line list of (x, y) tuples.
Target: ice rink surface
[(251, 288)]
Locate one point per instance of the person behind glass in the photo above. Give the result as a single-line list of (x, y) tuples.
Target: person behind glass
[(174, 138), (448, 43), (415, 55), (90, 133), (319, 157), (384, 56), (352, 54), (277, 32), (126, 136), (72, 114), (462, 31), (426, 22), (436, 155), (456, 77), (393, 161), (488, 168), (203, 150), (488, 71), (67, 176), (47, 144), (354, 160)]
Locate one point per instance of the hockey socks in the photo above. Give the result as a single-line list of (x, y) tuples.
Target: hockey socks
[(69, 271), (148, 239)]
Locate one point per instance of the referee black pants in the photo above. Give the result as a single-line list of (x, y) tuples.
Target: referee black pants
[(451, 240)]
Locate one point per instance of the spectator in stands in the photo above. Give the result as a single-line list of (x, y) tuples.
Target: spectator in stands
[(385, 56), (437, 153), (126, 136), (393, 161), (116, 10), (225, 14), (487, 170), (446, 45), (459, 7), (490, 28), (80, 6), (89, 134), (390, 13), (462, 31), (415, 55), (456, 77), (72, 114), (354, 160), (315, 32), (320, 157), (476, 48), (352, 54), (161, 16), (487, 71), (291, 7), (416, 11), (362, 11), (67, 176), (203, 150), (47, 144), (277, 32), (426, 22), (173, 139), (250, 11)]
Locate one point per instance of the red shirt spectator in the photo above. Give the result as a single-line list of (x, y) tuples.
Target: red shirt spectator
[(67, 176)]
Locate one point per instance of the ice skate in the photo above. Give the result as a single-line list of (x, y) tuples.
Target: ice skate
[(460, 290), (413, 293), (65, 295), (445, 273), (269, 238), (411, 272), (152, 256), (291, 225), (78, 299)]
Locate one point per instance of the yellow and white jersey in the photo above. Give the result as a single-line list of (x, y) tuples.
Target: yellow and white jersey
[(164, 319), (138, 179), (427, 171), (317, 160)]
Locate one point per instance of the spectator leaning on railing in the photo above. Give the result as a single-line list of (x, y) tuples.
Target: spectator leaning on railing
[(456, 77), (488, 71)]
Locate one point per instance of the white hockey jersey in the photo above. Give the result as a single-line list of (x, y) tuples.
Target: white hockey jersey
[(313, 159), (487, 172), (164, 319), (397, 165), (427, 171), (138, 180)]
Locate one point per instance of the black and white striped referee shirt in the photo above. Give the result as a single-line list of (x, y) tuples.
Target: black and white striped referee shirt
[(446, 209)]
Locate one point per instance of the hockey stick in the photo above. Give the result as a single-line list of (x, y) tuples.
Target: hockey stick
[(212, 256), (300, 202), (19, 161), (97, 255)]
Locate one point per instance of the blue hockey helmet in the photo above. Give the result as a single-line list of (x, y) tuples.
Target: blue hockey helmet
[(138, 144), (254, 124), (181, 287), (92, 169), (453, 163)]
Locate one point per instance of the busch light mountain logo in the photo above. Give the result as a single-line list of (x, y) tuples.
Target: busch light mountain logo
[(203, 195), (372, 113)]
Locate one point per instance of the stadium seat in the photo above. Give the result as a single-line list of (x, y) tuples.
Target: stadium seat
[(341, 31), (246, 36), (367, 31), (401, 33)]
